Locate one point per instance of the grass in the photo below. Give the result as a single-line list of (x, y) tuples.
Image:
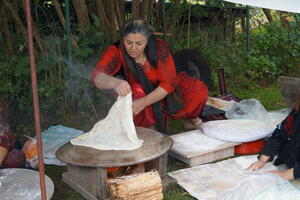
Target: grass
[(269, 96)]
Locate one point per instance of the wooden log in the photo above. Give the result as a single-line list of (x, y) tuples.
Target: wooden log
[(141, 186)]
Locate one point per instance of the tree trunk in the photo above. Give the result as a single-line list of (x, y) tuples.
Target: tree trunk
[(6, 32), (19, 25), (103, 14), (15, 17), (136, 8), (147, 6), (120, 12), (283, 18), (81, 12), (36, 35), (243, 23), (173, 12), (268, 15), (113, 20), (62, 19)]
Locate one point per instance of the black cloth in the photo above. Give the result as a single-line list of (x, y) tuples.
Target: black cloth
[(285, 143)]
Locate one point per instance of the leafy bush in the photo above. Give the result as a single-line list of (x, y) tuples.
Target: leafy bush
[(274, 51)]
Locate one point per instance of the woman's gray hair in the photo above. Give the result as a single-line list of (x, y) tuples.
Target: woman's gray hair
[(137, 25)]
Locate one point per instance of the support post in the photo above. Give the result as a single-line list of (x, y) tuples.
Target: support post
[(37, 119)]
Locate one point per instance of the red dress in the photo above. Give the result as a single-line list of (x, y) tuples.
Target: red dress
[(193, 92)]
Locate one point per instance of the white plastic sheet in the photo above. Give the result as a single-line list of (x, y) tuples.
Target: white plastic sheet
[(261, 187), (219, 180), (115, 132), (284, 5)]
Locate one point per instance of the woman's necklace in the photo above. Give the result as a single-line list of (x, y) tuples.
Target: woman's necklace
[(141, 60)]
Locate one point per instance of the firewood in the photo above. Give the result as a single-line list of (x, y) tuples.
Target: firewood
[(140, 186)]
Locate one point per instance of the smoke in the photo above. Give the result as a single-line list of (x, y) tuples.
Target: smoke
[(82, 92)]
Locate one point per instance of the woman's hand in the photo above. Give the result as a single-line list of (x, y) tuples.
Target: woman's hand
[(256, 165), (3, 154), (121, 87), (286, 174), (259, 164), (138, 105)]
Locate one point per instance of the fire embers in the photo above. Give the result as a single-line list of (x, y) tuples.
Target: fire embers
[(114, 172)]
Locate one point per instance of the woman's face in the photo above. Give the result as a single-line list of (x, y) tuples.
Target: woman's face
[(135, 44)]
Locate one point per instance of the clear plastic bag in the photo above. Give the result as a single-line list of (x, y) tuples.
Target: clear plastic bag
[(253, 109), (248, 109)]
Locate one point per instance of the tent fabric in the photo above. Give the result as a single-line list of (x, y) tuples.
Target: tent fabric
[(284, 5)]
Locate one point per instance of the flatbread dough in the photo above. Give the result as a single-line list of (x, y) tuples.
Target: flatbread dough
[(115, 132)]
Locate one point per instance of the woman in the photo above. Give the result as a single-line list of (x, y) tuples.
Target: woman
[(9, 157), (284, 143), (150, 74)]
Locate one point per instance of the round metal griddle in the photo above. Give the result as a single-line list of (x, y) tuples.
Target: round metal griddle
[(155, 144)]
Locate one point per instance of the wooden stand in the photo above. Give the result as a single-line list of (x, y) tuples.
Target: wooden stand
[(90, 181), (86, 167), (197, 155)]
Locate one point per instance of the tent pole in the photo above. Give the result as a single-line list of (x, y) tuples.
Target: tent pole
[(35, 101), (248, 29), (68, 27)]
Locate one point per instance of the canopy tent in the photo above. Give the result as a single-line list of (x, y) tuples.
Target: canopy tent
[(284, 5)]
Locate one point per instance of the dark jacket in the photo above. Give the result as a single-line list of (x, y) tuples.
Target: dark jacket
[(285, 143)]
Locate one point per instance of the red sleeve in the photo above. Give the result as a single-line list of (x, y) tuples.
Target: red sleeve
[(110, 63), (6, 140), (165, 67)]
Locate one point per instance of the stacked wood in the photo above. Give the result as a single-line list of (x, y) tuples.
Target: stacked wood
[(140, 186)]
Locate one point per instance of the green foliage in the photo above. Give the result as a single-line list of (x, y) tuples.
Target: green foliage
[(91, 40), (62, 88), (274, 51), (15, 82), (219, 4), (269, 95)]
